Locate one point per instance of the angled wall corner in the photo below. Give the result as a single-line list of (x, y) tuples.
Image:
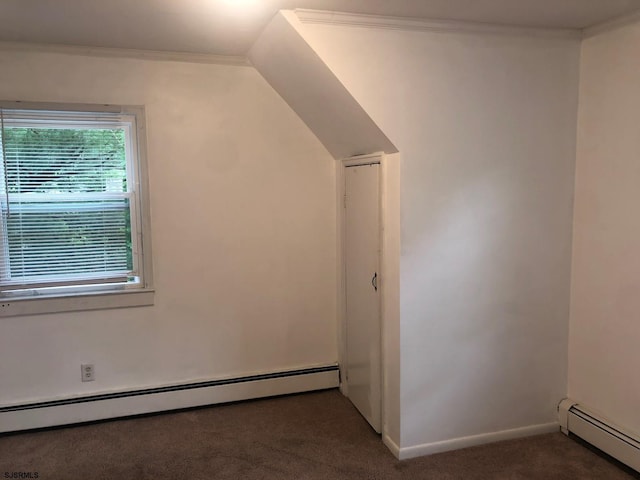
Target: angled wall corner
[(305, 82), (486, 123), (283, 56)]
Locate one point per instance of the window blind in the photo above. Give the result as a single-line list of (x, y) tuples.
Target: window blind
[(66, 210)]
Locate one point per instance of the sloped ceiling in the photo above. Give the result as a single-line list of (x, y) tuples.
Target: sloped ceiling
[(304, 81), (229, 27)]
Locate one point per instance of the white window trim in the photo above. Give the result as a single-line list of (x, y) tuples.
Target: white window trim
[(95, 299)]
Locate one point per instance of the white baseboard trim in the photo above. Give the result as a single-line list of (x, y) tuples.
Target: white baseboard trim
[(137, 402), (464, 442), (391, 445)]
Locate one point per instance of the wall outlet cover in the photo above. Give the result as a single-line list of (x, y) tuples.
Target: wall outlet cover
[(87, 372)]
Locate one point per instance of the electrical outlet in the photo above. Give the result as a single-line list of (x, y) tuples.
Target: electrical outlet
[(88, 372)]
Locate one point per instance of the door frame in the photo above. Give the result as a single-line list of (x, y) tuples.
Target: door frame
[(342, 165)]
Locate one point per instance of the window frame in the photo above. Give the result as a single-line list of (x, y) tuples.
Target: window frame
[(103, 296)]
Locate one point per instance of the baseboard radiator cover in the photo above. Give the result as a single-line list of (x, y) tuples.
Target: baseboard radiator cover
[(599, 432), (158, 399)]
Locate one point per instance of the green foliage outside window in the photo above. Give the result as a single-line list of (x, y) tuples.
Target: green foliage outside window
[(75, 160)]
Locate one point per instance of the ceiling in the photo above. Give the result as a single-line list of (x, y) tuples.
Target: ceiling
[(229, 27)]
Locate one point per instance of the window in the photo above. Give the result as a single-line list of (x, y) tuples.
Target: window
[(73, 219)]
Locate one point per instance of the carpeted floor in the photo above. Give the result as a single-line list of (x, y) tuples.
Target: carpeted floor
[(311, 436)]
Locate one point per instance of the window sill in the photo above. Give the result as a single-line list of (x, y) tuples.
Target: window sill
[(76, 302)]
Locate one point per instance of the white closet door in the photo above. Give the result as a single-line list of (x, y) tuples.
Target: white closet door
[(362, 245)]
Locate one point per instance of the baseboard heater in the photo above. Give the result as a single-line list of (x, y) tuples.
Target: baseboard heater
[(600, 433), (117, 404)]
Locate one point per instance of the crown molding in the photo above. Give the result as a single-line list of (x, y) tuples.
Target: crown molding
[(125, 53), (613, 24), (428, 25)]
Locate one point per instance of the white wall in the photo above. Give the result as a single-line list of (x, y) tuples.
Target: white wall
[(485, 125), (243, 224), (604, 329), (390, 299)]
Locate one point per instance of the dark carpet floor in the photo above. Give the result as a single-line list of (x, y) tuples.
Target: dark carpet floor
[(311, 436)]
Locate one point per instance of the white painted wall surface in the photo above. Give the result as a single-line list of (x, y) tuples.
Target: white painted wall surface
[(243, 223), (390, 300), (604, 330), (485, 125)]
